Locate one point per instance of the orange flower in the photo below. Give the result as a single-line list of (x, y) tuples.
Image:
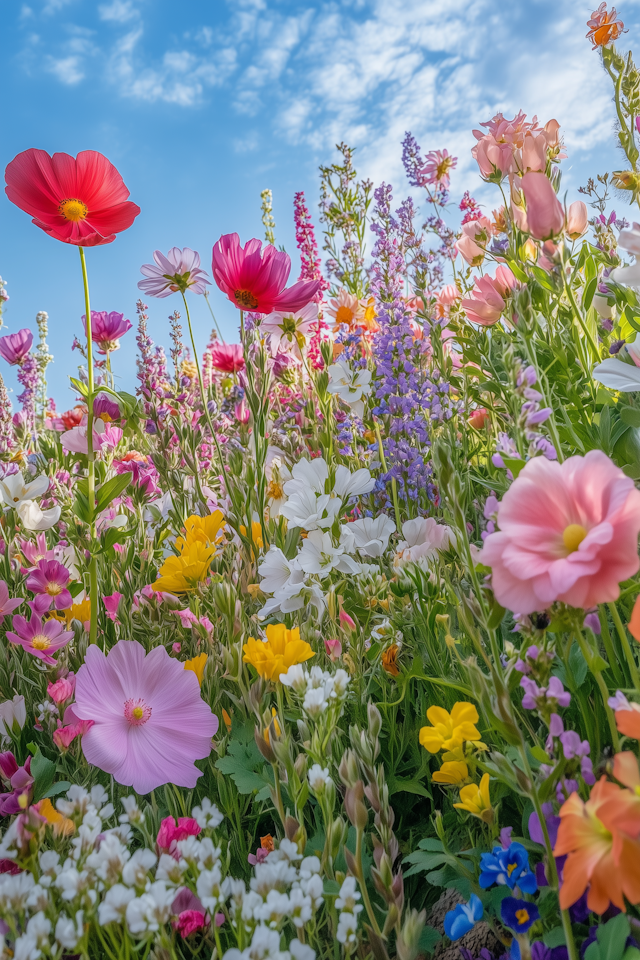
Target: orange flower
[(267, 843), (388, 660), (634, 624), (628, 721), (62, 826), (604, 27), (600, 855)]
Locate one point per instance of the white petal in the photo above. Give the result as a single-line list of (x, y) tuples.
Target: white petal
[(617, 375)]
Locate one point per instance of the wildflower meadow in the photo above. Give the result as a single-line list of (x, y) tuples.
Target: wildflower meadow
[(324, 643)]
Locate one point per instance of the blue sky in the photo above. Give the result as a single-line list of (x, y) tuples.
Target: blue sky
[(202, 104)]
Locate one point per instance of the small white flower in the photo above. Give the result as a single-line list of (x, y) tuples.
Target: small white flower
[(315, 702), (39, 927), (307, 475), (301, 951), (39, 898), (351, 385), (310, 510), (348, 896), (114, 905), (209, 888), (319, 555), (295, 677), (135, 871), (33, 518), (318, 778), (314, 889), (340, 683), (356, 484), (423, 538), (300, 908), (207, 815), (13, 714), (273, 909), (14, 490), (132, 814), (150, 911), (369, 535), (209, 854), (347, 928), (26, 948), (309, 867), (68, 931)]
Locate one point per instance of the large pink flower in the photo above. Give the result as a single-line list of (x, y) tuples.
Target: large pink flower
[(255, 279), (568, 532), (488, 297), (150, 722)]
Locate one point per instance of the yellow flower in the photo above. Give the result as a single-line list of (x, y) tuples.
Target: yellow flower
[(276, 725), (62, 826), (77, 611), (256, 534), (449, 730), (454, 771), (197, 665), (185, 572), (208, 530), (227, 720), (282, 649), (476, 800)]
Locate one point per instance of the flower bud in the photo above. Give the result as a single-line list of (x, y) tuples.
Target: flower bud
[(577, 220), (544, 211)]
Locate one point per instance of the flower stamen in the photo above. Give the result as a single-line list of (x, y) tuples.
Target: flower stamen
[(73, 210)]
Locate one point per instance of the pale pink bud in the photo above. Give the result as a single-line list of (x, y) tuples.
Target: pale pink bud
[(176, 647), (478, 418), (241, 411), (62, 689), (470, 251), (577, 219), (519, 217), (494, 159), (534, 152), (544, 211), (64, 736), (346, 622), (333, 649)]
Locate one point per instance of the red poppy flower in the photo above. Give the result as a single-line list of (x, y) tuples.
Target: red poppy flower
[(80, 200)]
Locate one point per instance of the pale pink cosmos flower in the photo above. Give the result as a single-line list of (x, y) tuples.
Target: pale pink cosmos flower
[(107, 328), (33, 552), (423, 538), (7, 605), (568, 532), (104, 435), (15, 346), (178, 271), (436, 169), (39, 638), (150, 721)]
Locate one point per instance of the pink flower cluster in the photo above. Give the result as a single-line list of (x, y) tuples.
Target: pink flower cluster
[(488, 298), (515, 146)]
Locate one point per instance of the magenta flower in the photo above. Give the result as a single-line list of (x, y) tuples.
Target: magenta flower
[(107, 328), (106, 408), (62, 689), (171, 831), (32, 552), (38, 638), (255, 279), (111, 605), (7, 605), (15, 346), (227, 357), (50, 578), (179, 271), (150, 721), (20, 781)]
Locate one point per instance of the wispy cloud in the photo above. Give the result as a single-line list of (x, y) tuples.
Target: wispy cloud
[(118, 11), (68, 70)]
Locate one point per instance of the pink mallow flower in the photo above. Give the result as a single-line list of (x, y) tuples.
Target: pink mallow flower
[(50, 579), (111, 605), (7, 605), (104, 435), (107, 328), (20, 781), (178, 271), (150, 721), (488, 297), (41, 639), (568, 532), (255, 279), (15, 346), (62, 689), (171, 832)]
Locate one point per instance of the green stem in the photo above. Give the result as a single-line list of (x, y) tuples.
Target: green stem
[(91, 465), (597, 674), (363, 885), (394, 486), (578, 313), (622, 633), (608, 646), (213, 316)]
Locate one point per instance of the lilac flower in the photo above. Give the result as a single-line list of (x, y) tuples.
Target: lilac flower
[(38, 638), (539, 697), (592, 622), (106, 408), (178, 271), (15, 346), (535, 828), (51, 578), (619, 701), (556, 726), (106, 329)]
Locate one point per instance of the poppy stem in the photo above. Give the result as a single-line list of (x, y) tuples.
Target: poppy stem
[(91, 466)]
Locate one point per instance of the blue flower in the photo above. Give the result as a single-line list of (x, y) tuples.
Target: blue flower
[(518, 914), (507, 868), (463, 918)]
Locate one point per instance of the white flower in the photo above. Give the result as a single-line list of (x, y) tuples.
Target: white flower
[(318, 778), (287, 850), (313, 887), (630, 239), (618, 375), (277, 474), (209, 888), (136, 869), (423, 538), (369, 535), (14, 490), (49, 867), (208, 855), (347, 484), (39, 898), (310, 510), (13, 714), (350, 385), (318, 555), (68, 931), (340, 684), (109, 860), (39, 927), (348, 896), (171, 870), (289, 331), (273, 909), (347, 928), (295, 677), (132, 813), (307, 475), (301, 951), (294, 594), (264, 943), (26, 948), (33, 518), (309, 867), (114, 905), (300, 909), (276, 571), (151, 910), (207, 815), (72, 882), (630, 276), (315, 702)]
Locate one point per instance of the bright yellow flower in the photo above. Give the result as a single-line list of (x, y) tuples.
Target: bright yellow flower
[(476, 800), (185, 572), (454, 771), (282, 649), (77, 611), (276, 725), (208, 530), (62, 826), (196, 664), (256, 534), (449, 730)]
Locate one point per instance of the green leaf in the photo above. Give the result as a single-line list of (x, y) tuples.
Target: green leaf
[(60, 787), (81, 387), (429, 940), (43, 771), (400, 785), (430, 843), (630, 416), (422, 862), (611, 939), (554, 938), (543, 278), (518, 272), (514, 465), (246, 766), (589, 292), (112, 489), (81, 510)]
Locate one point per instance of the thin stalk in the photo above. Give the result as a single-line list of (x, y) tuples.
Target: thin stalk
[(608, 646), (91, 465), (213, 316), (578, 313), (622, 633), (394, 486), (597, 674)]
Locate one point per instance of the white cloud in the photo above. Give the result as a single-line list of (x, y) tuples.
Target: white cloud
[(118, 11), (52, 6), (68, 70)]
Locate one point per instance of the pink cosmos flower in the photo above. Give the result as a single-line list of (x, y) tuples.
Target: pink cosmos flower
[(15, 346), (228, 357), (7, 605), (438, 163), (107, 328), (111, 605), (171, 831), (33, 552), (62, 689), (51, 578), (568, 532), (255, 279), (179, 270), (104, 435), (545, 213), (488, 297), (38, 638), (150, 721)]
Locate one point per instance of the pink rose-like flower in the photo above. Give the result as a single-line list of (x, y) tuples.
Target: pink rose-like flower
[(488, 297), (568, 532), (111, 605), (494, 159), (189, 921), (150, 721), (254, 278), (227, 357), (62, 689), (333, 649), (171, 831), (545, 213), (15, 346)]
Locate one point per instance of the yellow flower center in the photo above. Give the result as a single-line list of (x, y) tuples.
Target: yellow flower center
[(274, 490), (53, 589), (344, 315), (443, 167), (74, 210), (573, 536), (40, 642), (511, 867), (245, 299), (137, 713), (522, 915)]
